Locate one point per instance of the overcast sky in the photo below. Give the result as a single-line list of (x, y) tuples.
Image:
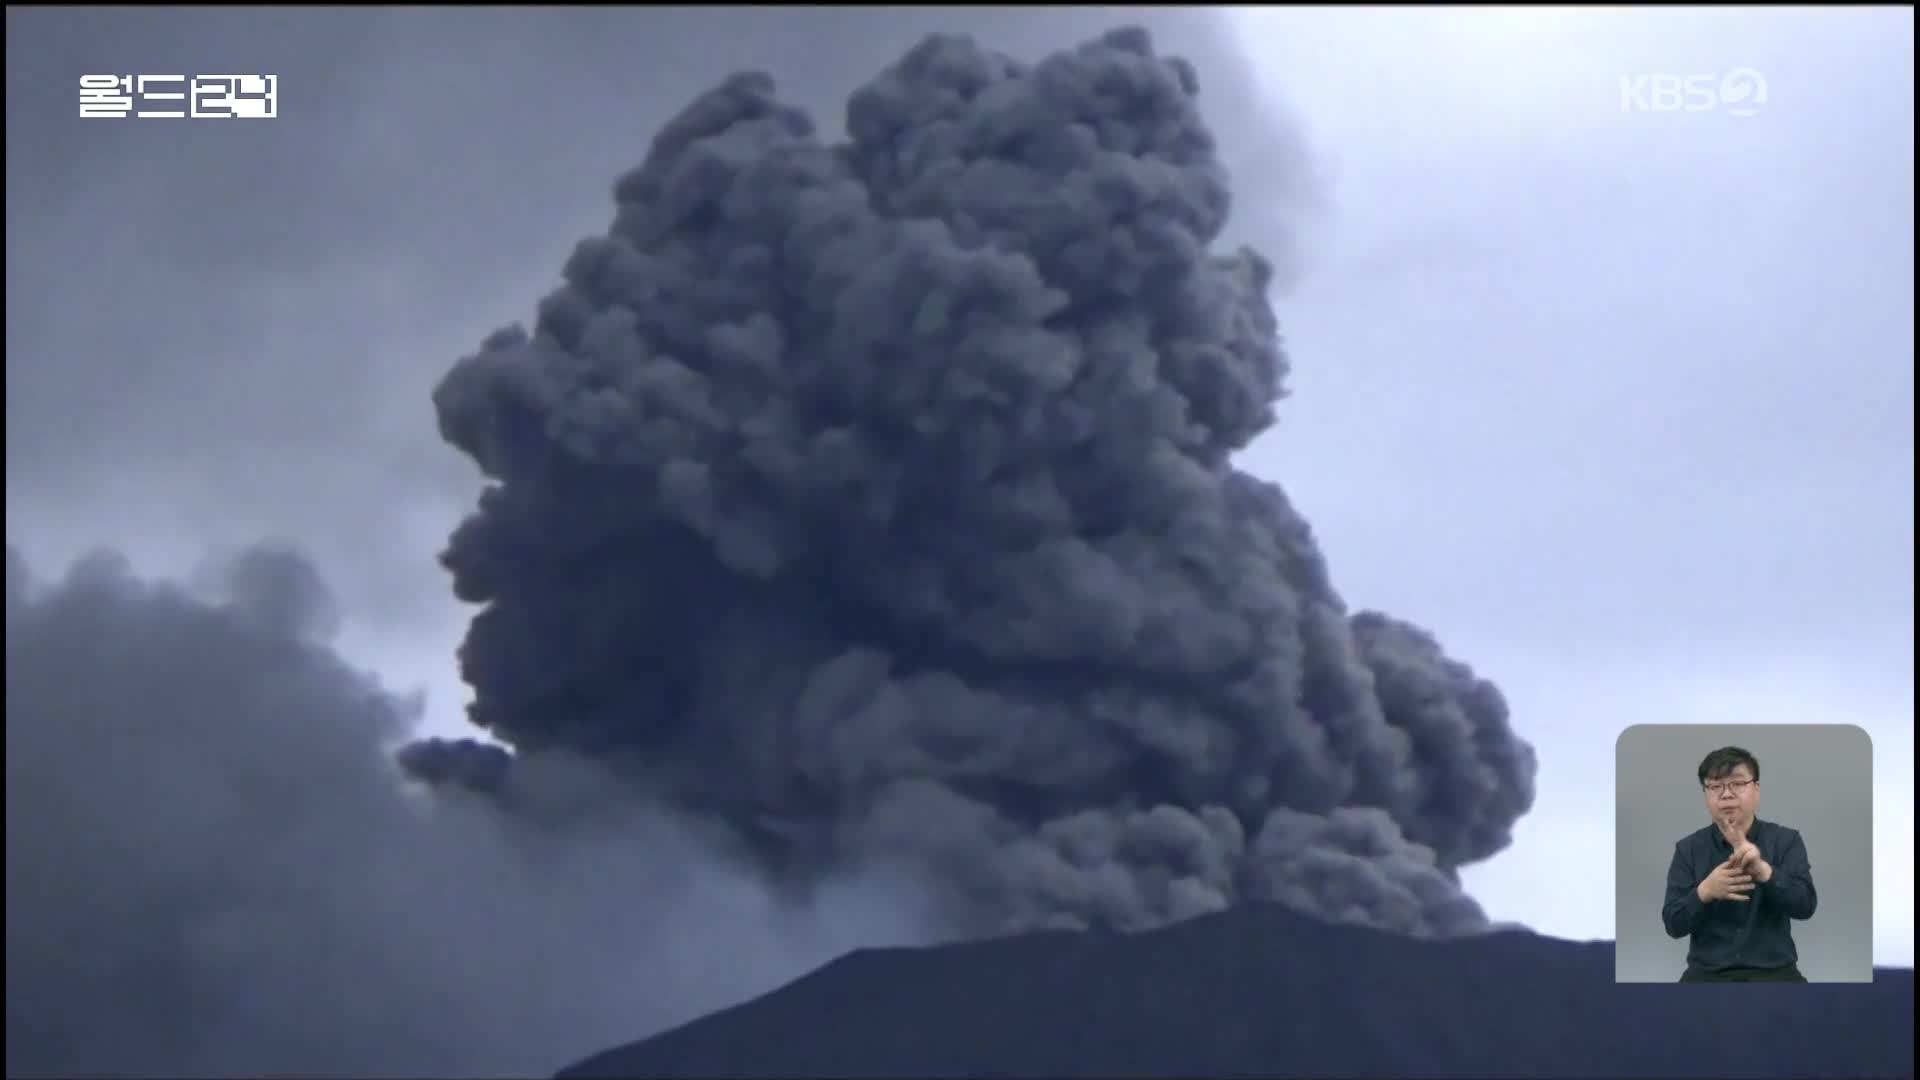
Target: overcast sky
[(1618, 402)]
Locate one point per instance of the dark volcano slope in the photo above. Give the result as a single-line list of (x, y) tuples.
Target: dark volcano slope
[(1260, 991)]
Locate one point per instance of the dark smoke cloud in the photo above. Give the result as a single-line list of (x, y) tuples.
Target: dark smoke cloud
[(875, 496), (211, 869), (864, 530)]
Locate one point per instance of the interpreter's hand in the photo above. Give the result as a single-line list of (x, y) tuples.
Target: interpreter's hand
[(1746, 855), (1727, 882), (1733, 833)]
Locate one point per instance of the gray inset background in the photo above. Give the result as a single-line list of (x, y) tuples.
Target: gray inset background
[(1817, 778)]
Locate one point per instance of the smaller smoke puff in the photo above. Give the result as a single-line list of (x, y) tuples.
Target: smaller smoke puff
[(876, 497), (457, 763)]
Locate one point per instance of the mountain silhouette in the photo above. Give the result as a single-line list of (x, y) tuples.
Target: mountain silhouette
[(1262, 991)]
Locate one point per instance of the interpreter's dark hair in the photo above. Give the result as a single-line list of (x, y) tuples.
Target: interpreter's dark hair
[(1725, 760)]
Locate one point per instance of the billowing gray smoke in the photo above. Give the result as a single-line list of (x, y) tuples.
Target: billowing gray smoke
[(876, 496), (873, 501), (212, 871)]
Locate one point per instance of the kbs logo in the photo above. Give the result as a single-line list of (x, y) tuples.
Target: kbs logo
[(1740, 92)]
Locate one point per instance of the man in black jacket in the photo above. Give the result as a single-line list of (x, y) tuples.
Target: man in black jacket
[(1735, 886)]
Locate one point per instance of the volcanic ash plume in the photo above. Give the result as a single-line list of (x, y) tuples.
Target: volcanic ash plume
[(876, 497)]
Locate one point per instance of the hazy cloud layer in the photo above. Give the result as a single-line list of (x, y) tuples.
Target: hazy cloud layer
[(212, 868)]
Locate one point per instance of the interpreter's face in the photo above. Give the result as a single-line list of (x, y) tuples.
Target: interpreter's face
[(1731, 799)]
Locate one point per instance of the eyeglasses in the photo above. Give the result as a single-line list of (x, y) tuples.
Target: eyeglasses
[(1738, 787)]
